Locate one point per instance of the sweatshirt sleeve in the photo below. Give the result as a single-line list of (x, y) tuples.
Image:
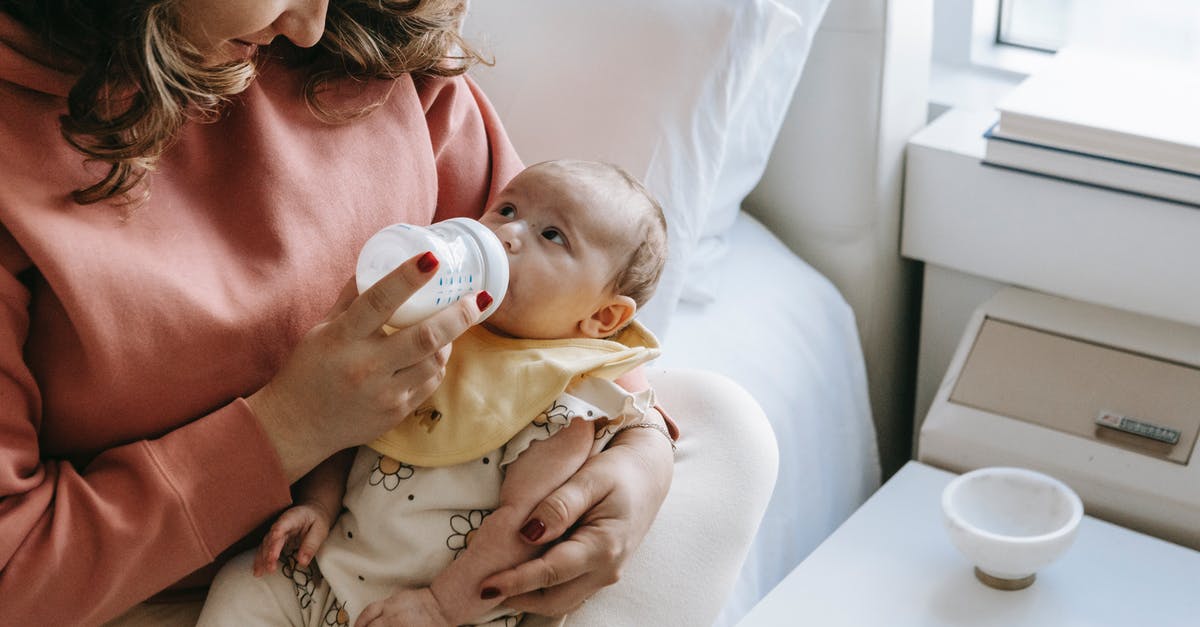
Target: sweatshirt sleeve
[(79, 545), (474, 156)]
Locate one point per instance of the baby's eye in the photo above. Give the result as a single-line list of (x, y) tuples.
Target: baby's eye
[(507, 211), (554, 235)]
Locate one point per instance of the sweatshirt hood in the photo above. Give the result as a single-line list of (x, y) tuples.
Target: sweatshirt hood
[(26, 62)]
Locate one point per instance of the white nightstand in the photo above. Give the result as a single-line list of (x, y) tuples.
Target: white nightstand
[(978, 228), (891, 564)]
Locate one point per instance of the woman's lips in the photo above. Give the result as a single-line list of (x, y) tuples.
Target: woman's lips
[(243, 49)]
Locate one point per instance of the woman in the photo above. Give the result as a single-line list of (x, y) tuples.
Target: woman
[(186, 184)]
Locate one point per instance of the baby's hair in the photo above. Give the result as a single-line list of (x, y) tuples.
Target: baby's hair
[(638, 277)]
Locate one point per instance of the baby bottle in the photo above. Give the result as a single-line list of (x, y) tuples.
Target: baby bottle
[(470, 257)]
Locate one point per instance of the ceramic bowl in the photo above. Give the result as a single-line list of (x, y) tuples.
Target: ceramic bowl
[(1010, 522)]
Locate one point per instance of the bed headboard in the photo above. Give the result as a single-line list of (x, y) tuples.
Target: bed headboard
[(832, 188)]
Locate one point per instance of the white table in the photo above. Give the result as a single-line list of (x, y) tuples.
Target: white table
[(891, 564)]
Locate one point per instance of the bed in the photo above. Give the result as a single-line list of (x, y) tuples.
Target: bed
[(776, 148)]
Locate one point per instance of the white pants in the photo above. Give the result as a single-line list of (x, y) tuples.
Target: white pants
[(683, 572)]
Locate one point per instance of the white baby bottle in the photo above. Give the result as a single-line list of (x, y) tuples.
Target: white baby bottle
[(470, 257)]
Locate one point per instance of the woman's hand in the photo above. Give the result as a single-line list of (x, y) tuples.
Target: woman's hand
[(613, 499), (347, 382)]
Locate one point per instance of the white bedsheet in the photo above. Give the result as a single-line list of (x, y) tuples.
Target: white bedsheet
[(782, 331)]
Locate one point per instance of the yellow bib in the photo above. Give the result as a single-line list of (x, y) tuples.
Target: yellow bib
[(494, 386)]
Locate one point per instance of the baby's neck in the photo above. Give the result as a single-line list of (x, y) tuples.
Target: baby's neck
[(496, 330)]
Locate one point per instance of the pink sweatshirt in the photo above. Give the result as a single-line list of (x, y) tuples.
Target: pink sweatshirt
[(128, 335)]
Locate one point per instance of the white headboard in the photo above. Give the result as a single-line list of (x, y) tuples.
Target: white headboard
[(832, 188)]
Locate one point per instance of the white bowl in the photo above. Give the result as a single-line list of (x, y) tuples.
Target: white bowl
[(1010, 522)]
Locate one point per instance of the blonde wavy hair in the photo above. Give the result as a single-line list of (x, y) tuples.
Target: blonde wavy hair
[(141, 81)]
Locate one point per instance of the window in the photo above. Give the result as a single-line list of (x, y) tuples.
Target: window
[(1166, 28), (982, 48), (1036, 24)]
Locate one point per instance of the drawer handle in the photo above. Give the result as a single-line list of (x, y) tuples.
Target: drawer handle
[(1125, 424)]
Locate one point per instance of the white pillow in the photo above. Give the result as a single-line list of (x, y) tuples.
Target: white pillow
[(686, 94)]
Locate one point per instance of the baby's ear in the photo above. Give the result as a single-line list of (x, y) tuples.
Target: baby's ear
[(610, 316)]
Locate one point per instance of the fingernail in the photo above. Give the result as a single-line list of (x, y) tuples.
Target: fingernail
[(483, 300), (489, 593), (533, 530), (427, 262)]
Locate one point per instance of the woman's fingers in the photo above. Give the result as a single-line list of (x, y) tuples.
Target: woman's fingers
[(345, 297), (557, 582), (607, 506), (346, 382), (563, 507), (371, 309), (429, 337), (574, 569)]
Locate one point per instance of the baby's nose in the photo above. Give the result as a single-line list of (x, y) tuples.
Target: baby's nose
[(510, 235)]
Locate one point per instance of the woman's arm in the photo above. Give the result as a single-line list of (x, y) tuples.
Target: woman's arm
[(80, 544)]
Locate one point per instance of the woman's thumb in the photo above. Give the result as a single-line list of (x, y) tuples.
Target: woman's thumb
[(559, 511)]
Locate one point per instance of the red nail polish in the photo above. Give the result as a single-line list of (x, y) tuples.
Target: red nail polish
[(533, 530), (489, 593), (483, 300), (427, 262)]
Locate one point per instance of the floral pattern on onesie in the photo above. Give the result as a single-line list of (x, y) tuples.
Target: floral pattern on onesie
[(337, 615), (462, 527), (303, 578), (389, 472)]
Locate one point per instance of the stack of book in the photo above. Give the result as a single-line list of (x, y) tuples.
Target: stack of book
[(1120, 123)]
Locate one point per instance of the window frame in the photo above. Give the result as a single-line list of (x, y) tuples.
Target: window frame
[(968, 67), (987, 49), (1003, 7)]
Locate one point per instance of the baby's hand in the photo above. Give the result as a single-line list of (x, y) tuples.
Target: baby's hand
[(306, 525), (410, 608)]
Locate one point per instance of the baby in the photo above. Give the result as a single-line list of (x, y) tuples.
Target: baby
[(432, 508)]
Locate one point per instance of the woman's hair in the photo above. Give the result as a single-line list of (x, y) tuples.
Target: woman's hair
[(141, 81)]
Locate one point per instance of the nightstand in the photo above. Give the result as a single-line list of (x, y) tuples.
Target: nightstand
[(979, 228), (891, 563)]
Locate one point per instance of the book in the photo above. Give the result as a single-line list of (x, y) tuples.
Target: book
[(1104, 172), (1134, 110)]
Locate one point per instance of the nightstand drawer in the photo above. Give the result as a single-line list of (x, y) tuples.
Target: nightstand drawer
[(1107, 401), (1091, 390)]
